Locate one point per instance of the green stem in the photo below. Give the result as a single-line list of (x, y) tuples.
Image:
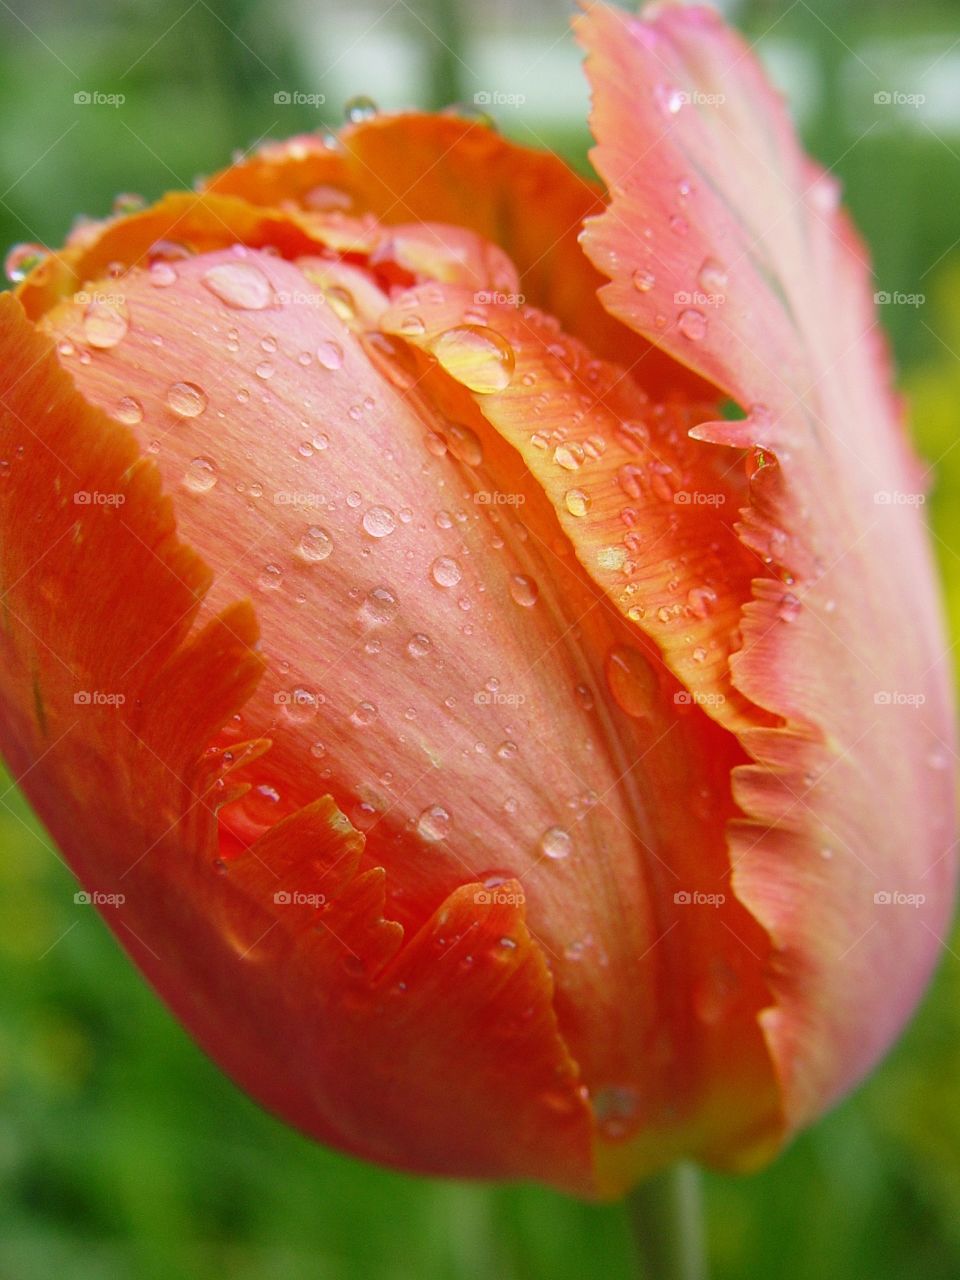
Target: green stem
[(666, 1219)]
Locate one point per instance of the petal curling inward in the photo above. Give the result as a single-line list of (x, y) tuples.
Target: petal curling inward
[(725, 245)]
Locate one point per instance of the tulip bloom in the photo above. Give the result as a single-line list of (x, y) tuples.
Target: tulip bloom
[(505, 762)]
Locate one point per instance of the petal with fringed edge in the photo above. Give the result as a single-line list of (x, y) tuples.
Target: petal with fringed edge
[(724, 244)]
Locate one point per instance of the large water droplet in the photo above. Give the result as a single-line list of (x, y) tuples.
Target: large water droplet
[(21, 260), (379, 607), (200, 476), (524, 590), (186, 399), (445, 571), (105, 324), (359, 108), (240, 285), (379, 522), (692, 324), (477, 357), (464, 443), (330, 355), (129, 411), (577, 501), (316, 544)]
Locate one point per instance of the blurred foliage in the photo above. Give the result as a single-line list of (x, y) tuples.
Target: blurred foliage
[(123, 1152)]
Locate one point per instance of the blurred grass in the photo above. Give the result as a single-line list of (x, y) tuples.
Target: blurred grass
[(123, 1152)]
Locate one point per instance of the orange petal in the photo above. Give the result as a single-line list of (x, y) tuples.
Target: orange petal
[(726, 246)]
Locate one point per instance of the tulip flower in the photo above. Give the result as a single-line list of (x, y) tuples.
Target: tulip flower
[(472, 629)]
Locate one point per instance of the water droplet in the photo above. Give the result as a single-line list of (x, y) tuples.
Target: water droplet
[(692, 324), (669, 98), (129, 411), (507, 750), (379, 522), (364, 713), (162, 275), (584, 696), (265, 370), (316, 544), (359, 108), (271, 578), (632, 680), (419, 645), (569, 456), (22, 259), (556, 842), (643, 281), (578, 502), (105, 324), (200, 476), (186, 399), (476, 357), (464, 443), (240, 285), (434, 823), (379, 607), (127, 202), (701, 601), (712, 277), (789, 607), (300, 706), (330, 355), (445, 572), (524, 590), (616, 1108)]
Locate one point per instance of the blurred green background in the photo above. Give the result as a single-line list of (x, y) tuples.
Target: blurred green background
[(124, 1155)]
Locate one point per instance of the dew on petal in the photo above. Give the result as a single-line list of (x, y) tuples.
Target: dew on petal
[(556, 842), (186, 399), (477, 357), (22, 259), (200, 476), (524, 590), (419, 645), (315, 545), (129, 411), (105, 324), (464, 443), (330, 355), (379, 522), (577, 501), (712, 277), (240, 285), (692, 324), (445, 571), (643, 281), (379, 607), (434, 823), (632, 680)]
